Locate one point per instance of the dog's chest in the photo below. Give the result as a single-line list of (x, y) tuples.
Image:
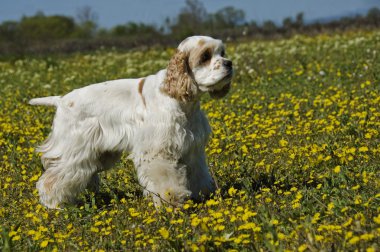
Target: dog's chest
[(197, 131)]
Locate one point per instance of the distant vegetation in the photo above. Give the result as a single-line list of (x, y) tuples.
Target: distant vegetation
[(44, 34)]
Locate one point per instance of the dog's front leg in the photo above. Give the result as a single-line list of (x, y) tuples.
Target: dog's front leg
[(165, 181)]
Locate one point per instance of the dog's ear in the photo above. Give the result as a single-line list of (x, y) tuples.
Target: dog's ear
[(220, 93), (179, 82)]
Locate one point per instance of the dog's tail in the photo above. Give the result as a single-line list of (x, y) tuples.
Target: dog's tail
[(46, 101)]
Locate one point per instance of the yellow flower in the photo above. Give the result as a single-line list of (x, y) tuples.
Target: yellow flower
[(302, 248), (244, 149), (44, 244), (133, 212), (203, 238), (250, 225), (164, 233), (296, 205), (194, 247), (319, 238), (354, 240), (219, 227), (247, 215), (330, 206), (347, 223), (94, 229), (367, 237), (16, 238), (211, 202), (377, 219), (344, 209), (283, 143), (98, 223), (363, 149), (281, 236), (237, 240), (337, 169), (232, 191), (34, 178), (355, 187), (195, 221), (274, 222)]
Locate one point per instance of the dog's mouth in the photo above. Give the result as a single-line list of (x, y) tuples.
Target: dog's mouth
[(219, 93), (228, 77), (224, 81), (222, 87)]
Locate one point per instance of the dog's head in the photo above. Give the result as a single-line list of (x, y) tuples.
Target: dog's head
[(199, 65)]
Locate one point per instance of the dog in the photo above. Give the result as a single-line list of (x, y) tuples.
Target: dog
[(156, 119)]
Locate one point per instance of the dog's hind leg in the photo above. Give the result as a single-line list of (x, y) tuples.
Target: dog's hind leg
[(70, 163), (62, 184)]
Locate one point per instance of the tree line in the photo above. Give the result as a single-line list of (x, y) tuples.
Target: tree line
[(43, 34)]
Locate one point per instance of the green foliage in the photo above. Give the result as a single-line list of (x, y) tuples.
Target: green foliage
[(45, 34), (41, 27), (189, 20), (295, 150), (133, 29), (85, 30), (9, 31), (374, 15)]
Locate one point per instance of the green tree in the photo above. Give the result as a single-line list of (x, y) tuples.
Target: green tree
[(190, 20), (133, 29), (228, 17), (87, 20), (299, 23), (9, 31), (269, 27), (287, 23), (41, 27), (373, 16)]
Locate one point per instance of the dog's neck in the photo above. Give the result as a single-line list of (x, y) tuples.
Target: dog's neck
[(190, 107)]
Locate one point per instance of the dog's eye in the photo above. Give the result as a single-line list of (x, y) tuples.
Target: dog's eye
[(223, 53), (206, 56)]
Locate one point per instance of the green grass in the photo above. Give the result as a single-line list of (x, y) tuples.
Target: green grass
[(295, 151)]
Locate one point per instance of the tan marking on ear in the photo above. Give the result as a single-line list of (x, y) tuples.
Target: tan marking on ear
[(201, 42), (140, 89), (71, 104), (196, 54), (179, 83)]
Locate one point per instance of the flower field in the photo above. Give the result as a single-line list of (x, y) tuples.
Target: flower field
[(295, 150)]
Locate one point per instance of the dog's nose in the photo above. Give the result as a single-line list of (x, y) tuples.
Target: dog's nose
[(227, 63)]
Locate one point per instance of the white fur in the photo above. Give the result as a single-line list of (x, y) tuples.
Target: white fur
[(93, 125)]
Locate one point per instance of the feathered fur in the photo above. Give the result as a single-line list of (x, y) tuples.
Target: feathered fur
[(179, 84)]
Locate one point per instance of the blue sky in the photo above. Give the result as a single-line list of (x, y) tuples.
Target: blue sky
[(113, 12)]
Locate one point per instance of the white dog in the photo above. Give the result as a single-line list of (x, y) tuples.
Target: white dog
[(157, 119)]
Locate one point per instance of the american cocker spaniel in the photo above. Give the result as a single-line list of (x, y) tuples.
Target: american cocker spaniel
[(157, 119)]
